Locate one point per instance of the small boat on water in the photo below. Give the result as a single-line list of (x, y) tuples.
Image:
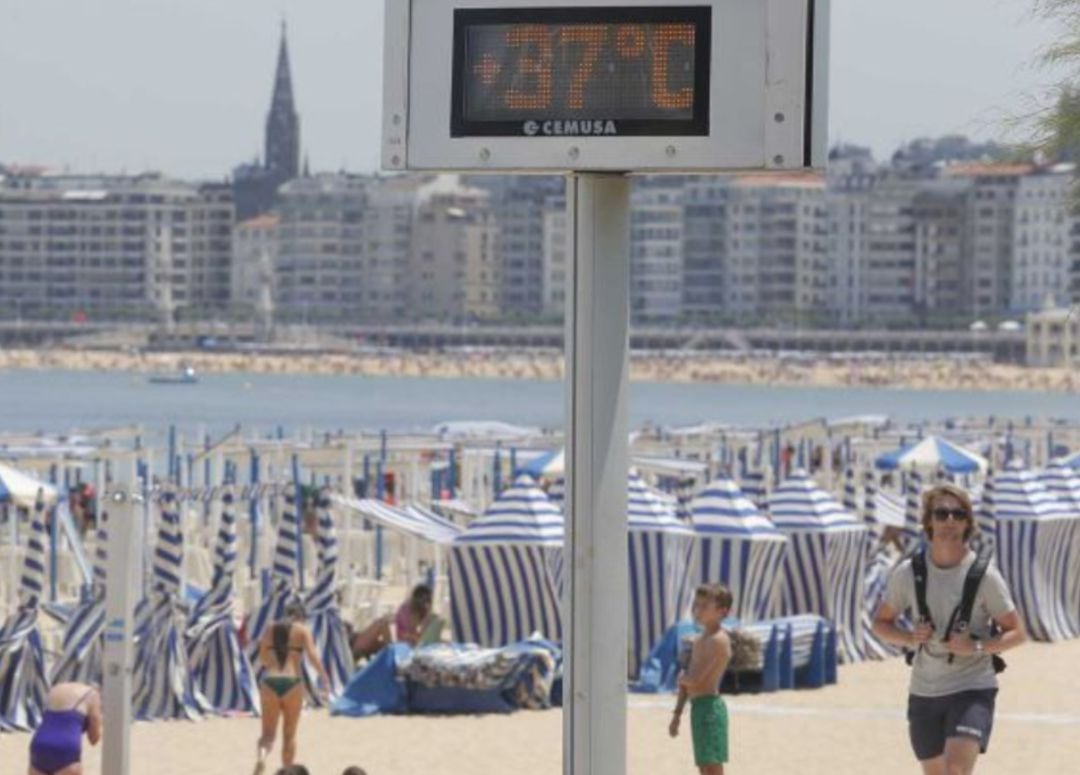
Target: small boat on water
[(185, 376)]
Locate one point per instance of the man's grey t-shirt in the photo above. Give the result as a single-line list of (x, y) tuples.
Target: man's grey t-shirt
[(932, 675)]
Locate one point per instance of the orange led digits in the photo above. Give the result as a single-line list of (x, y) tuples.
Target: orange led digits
[(535, 42), (591, 38), (664, 37), (630, 40)]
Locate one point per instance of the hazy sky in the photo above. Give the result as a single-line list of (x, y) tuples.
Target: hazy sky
[(183, 86)]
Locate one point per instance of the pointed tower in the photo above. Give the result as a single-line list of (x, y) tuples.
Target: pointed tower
[(283, 122)]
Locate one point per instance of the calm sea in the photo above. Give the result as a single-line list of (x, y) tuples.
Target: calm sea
[(64, 400)]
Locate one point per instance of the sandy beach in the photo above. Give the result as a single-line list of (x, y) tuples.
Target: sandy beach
[(939, 373), (856, 726)]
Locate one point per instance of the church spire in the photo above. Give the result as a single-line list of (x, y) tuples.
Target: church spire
[(283, 122)]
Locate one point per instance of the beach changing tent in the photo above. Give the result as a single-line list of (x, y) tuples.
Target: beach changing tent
[(1036, 538), (324, 616), (933, 452), (219, 665), (164, 687), (823, 568), (503, 570), (23, 682), (659, 546), (737, 546)]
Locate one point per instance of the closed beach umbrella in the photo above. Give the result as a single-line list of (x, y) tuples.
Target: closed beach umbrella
[(221, 669), (737, 546), (283, 576), (83, 643), (503, 585), (659, 562), (23, 681), (1036, 536), (823, 567), (327, 626), (164, 687)]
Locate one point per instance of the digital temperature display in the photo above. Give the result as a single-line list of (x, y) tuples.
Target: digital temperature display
[(597, 71)]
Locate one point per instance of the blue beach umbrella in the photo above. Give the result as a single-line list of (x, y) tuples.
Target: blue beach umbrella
[(933, 452)]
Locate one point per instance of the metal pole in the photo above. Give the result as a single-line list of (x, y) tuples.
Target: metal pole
[(597, 368), (119, 655)]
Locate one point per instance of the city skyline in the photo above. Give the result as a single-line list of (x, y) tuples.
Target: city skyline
[(197, 117)]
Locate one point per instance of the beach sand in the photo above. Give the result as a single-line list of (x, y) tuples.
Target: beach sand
[(856, 726)]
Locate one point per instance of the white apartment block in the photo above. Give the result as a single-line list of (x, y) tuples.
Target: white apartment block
[(556, 258), (1042, 252), (454, 266), (113, 247), (656, 249)]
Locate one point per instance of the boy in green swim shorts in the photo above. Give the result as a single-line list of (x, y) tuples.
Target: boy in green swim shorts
[(709, 659)]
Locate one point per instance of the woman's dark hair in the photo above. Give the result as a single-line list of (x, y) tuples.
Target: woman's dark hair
[(293, 769), (421, 598), (353, 771), (295, 611)]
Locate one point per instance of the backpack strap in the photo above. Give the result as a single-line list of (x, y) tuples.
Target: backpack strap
[(961, 617), (918, 572)]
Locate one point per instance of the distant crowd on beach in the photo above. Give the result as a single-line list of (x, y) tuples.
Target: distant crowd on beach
[(938, 372)]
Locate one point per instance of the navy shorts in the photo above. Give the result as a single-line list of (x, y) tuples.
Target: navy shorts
[(932, 720)]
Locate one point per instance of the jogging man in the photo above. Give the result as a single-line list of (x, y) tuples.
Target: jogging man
[(955, 663)]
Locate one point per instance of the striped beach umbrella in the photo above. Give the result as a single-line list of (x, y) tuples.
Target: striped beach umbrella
[(1036, 537), (23, 680), (822, 569), (503, 585), (164, 687), (221, 669), (324, 615), (869, 510), (931, 453), (83, 642), (736, 545), (659, 561), (283, 577)]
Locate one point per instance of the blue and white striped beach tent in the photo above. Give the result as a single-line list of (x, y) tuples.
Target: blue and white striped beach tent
[(755, 486), (1036, 540), (913, 490), (931, 453), (737, 546), (283, 577), (23, 682), (83, 643), (324, 616), (823, 567), (1071, 460), (163, 685), (660, 580), (219, 665), (1063, 483), (503, 585)]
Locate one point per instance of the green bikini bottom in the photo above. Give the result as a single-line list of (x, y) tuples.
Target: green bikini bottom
[(280, 684)]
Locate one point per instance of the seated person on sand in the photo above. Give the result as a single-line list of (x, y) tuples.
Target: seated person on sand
[(415, 623)]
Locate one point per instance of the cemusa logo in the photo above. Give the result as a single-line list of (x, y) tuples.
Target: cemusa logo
[(569, 128)]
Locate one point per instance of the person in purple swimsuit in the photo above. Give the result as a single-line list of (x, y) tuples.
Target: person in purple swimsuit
[(70, 710)]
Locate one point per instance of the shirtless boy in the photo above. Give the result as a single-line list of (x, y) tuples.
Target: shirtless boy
[(708, 660)]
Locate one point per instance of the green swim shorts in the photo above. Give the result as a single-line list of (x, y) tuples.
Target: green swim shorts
[(709, 724)]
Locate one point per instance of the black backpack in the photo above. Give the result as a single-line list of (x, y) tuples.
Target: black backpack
[(961, 616)]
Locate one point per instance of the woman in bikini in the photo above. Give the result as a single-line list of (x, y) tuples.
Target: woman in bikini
[(70, 710), (281, 653)]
